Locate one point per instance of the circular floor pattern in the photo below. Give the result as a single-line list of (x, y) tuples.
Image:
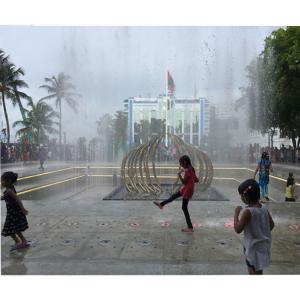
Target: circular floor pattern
[(294, 227), (72, 223), (104, 242), (103, 224), (41, 224), (144, 242), (222, 243), (164, 224), (69, 242), (134, 224), (229, 225), (297, 244), (182, 243)]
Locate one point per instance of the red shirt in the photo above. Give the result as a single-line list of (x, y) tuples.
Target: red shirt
[(187, 190)]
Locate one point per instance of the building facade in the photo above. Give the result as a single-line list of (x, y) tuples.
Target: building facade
[(187, 118)]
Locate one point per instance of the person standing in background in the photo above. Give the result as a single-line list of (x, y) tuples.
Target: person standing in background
[(290, 189), (42, 157), (264, 167)]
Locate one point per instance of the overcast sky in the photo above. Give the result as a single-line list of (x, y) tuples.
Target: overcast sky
[(110, 64)]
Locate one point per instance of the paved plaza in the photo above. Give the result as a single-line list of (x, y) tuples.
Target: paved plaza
[(74, 231)]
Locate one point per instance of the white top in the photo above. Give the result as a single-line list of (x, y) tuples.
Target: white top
[(257, 238)]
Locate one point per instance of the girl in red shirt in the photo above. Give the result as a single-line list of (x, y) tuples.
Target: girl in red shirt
[(188, 180)]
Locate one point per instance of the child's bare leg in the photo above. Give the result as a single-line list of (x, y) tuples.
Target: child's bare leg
[(15, 238), (23, 239)]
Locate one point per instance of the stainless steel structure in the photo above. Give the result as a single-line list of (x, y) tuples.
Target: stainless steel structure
[(139, 171)]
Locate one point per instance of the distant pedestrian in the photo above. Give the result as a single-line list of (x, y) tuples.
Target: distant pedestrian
[(290, 189), (257, 223), (264, 167), (16, 221), (42, 156), (115, 179), (188, 178)]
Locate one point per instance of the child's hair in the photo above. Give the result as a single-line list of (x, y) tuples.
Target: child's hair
[(10, 176), (250, 189), (264, 155), (290, 180), (185, 159)]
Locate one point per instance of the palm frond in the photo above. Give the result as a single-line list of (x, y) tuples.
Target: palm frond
[(20, 71), (72, 103), (49, 88), (22, 95), (53, 115), (53, 81), (49, 97), (18, 83), (19, 123), (72, 94)]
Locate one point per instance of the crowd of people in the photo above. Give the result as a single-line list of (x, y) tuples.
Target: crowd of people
[(283, 154), (251, 154), (17, 152)]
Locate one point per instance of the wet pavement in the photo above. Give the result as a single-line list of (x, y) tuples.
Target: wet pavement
[(76, 232)]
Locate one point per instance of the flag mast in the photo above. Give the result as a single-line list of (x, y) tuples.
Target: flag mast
[(166, 129)]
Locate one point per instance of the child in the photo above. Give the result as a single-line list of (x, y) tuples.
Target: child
[(264, 167), (15, 221), (186, 191), (290, 189), (257, 223)]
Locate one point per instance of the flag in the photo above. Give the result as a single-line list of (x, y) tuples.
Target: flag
[(171, 85)]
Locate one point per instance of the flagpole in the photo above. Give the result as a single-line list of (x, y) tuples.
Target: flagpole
[(166, 129)]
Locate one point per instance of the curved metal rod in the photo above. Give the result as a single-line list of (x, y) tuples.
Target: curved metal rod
[(135, 171)]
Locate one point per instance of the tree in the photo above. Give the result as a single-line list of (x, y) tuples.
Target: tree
[(157, 126), (39, 120), (283, 46), (120, 132), (61, 89), (9, 87), (106, 134), (81, 148), (273, 94)]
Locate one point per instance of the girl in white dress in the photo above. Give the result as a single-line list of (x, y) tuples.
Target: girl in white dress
[(257, 223)]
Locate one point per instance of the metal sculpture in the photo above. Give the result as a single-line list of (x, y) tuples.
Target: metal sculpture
[(139, 171)]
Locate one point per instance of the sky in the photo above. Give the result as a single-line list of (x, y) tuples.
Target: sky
[(110, 64)]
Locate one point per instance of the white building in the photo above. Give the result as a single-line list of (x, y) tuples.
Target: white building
[(186, 117)]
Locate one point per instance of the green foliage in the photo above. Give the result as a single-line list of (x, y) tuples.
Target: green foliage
[(10, 83), (120, 132), (285, 47), (61, 89), (273, 94), (40, 120)]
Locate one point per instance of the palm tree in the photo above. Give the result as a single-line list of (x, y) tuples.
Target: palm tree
[(39, 121), (9, 85), (120, 131), (106, 134), (61, 89)]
